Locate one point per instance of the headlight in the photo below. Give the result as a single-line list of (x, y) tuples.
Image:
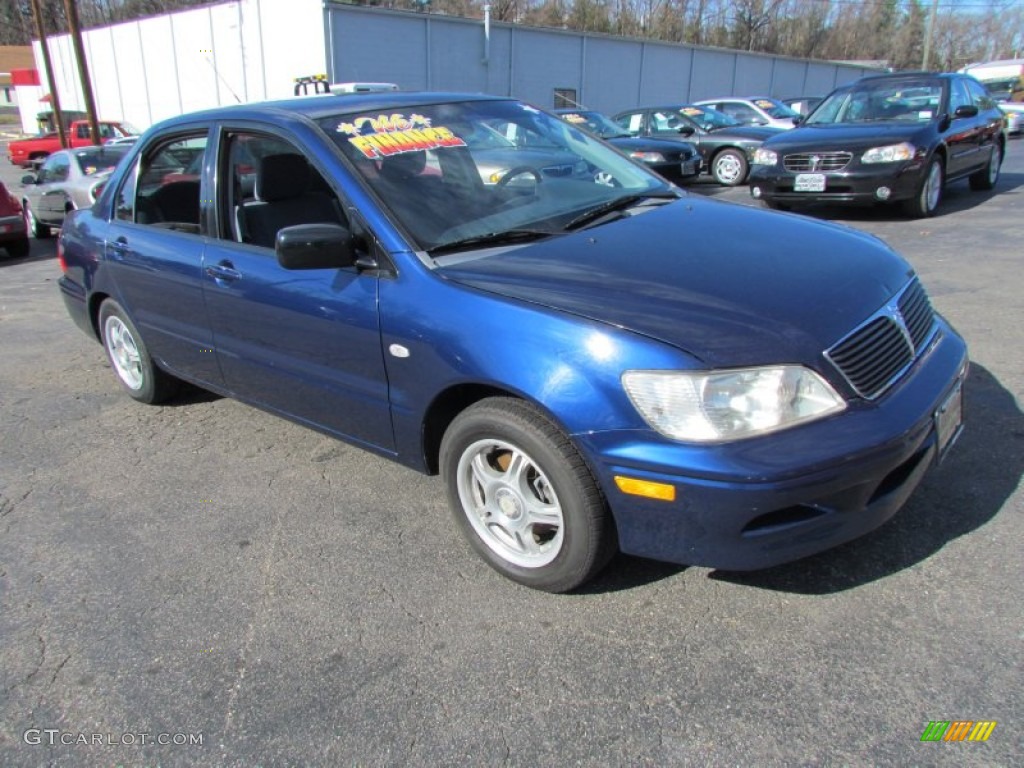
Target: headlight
[(648, 157), (714, 406), (764, 156), (889, 154)]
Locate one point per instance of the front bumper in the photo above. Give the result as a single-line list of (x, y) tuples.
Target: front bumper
[(678, 170), (760, 502), (857, 184)]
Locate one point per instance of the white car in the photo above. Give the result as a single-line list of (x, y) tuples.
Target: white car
[(1014, 116), (754, 110)]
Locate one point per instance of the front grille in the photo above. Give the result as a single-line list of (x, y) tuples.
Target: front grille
[(877, 353), (917, 313), (817, 161)]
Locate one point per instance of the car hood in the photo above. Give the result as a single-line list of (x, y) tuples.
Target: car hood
[(846, 136), (729, 284)]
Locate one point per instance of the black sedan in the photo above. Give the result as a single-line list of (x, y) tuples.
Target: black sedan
[(675, 160), (886, 139), (725, 145)]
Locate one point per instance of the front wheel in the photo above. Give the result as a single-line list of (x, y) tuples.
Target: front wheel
[(130, 359), (987, 177), (729, 167), (924, 203), (33, 225), (523, 496)]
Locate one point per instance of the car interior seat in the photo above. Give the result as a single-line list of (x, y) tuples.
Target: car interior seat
[(174, 205), (283, 198)]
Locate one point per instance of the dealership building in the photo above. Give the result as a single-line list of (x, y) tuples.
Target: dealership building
[(250, 50)]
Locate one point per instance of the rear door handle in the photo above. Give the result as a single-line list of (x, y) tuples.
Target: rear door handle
[(223, 271)]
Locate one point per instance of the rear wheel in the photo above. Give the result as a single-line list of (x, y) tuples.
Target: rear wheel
[(729, 167), (523, 496), (987, 177), (33, 225), (924, 203), (130, 359)]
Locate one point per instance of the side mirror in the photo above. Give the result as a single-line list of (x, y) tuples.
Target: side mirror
[(685, 130), (27, 179), (315, 246), (798, 119), (966, 110)]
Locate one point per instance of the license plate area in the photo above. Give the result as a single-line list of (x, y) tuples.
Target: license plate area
[(949, 419), (809, 182)]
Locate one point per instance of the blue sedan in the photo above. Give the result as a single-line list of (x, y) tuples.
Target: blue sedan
[(592, 362)]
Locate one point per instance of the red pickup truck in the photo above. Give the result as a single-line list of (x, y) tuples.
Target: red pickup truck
[(25, 152)]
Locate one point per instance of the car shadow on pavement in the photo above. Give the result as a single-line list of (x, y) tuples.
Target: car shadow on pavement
[(39, 250), (628, 572), (190, 394), (970, 488)]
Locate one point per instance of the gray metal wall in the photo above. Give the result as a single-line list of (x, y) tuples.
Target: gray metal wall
[(430, 52)]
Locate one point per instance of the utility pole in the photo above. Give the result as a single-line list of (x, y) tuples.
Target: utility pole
[(54, 98), (71, 10)]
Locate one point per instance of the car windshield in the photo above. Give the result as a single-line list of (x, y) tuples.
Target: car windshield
[(881, 101), (472, 171), (596, 123), (98, 159), (707, 118), (776, 109)]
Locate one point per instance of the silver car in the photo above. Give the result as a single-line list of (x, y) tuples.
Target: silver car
[(67, 180), (754, 110)]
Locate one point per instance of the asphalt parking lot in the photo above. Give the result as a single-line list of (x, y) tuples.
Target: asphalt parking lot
[(205, 572)]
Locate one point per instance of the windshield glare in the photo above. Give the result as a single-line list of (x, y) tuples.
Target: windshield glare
[(900, 101), (98, 159), (596, 123), (449, 172), (708, 118), (776, 109)]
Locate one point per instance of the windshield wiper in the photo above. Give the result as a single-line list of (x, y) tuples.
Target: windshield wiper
[(492, 238), (618, 204)]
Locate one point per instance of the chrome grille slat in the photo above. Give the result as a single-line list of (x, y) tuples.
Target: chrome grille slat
[(817, 161), (874, 355)]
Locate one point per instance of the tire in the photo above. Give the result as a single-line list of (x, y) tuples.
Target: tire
[(523, 496), (35, 227), (18, 249), (929, 194), (130, 359), (729, 167), (775, 206), (987, 177)]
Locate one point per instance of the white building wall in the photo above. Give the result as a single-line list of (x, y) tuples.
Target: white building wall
[(147, 70)]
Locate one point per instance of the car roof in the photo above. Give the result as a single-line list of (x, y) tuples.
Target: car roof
[(327, 105), (912, 75)]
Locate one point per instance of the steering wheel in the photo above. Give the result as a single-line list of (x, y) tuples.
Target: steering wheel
[(519, 170)]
